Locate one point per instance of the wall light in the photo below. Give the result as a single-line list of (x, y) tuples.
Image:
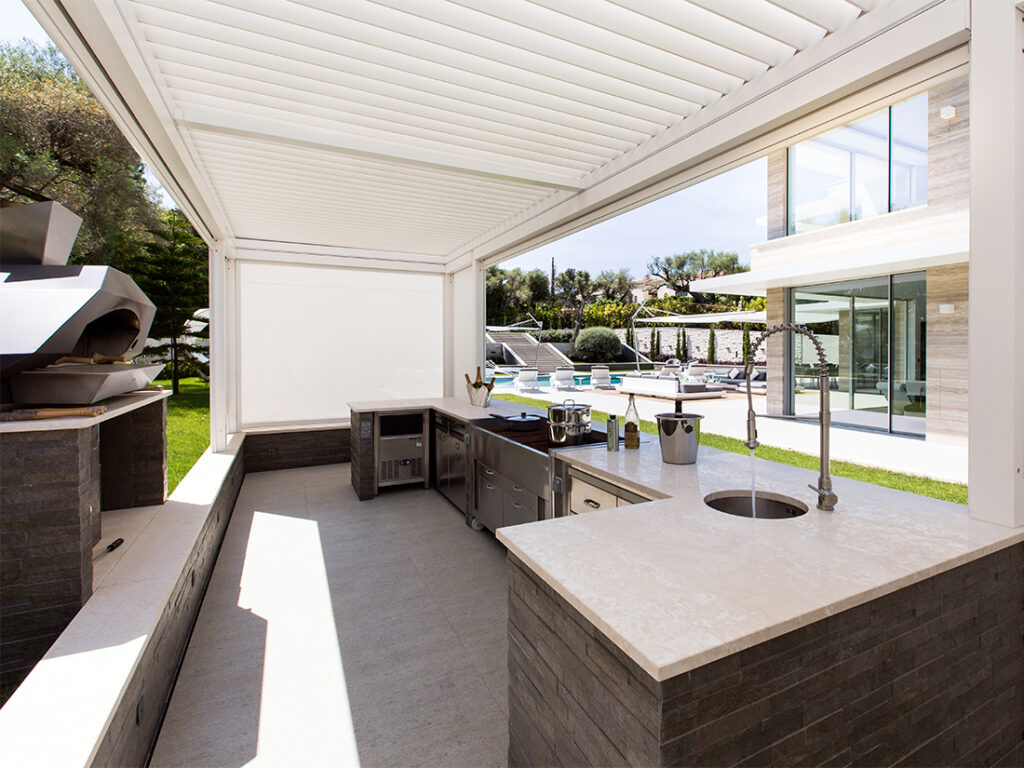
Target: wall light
[(948, 112)]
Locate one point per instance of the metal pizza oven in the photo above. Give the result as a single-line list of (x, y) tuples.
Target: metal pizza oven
[(50, 310)]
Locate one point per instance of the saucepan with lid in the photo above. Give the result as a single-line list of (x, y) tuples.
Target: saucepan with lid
[(568, 422), (524, 422)]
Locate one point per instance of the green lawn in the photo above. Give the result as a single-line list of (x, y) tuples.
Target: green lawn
[(188, 435), (923, 486), (188, 426)]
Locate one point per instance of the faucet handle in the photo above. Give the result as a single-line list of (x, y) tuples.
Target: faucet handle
[(826, 498)]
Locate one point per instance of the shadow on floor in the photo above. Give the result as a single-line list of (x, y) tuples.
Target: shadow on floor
[(332, 626)]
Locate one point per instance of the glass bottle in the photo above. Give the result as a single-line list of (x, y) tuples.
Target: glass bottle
[(632, 424)]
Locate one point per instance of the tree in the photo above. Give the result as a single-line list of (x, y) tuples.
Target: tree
[(615, 285), (655, 342), (575, 290), (746, 343), (173, 273), (680, 270), (58, 143), (538, 288), (629, 337), (686, 351), (711, 346), (680, 355)]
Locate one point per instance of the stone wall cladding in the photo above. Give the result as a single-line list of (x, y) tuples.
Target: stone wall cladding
[(266, 451), (133, 458), (946, 389), (134, 726), (932, 674), (361, 455), (49, 508), (775, 348)]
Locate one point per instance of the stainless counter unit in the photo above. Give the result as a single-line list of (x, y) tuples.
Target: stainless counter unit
[(451, 450)]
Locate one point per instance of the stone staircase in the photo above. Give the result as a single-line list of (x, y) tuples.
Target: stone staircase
[(524, 346)]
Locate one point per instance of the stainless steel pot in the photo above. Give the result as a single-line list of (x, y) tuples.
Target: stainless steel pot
[(568, 422), (569, 412)]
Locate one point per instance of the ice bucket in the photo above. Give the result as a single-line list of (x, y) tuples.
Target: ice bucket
[(679, 434)]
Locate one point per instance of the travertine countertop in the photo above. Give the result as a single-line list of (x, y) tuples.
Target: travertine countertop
[(457, 407), (676, 584), (116, 406)]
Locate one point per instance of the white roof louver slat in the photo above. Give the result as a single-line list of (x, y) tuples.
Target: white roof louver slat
[(830, 14), (428, 126), (768, 19)]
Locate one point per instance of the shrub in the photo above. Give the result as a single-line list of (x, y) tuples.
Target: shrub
[(746, 344), (597, 345), (629, 337), (557, 336), (711, 346)]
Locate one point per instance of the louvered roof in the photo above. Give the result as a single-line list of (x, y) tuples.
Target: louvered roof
[(415, 126)]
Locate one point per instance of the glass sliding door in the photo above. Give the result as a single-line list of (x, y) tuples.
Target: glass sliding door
[(909, 353), (862, 324)]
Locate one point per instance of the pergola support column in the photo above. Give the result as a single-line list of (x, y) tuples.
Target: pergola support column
[(996, 312)]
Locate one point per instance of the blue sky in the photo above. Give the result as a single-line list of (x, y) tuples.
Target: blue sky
[(725, 213), (18, 23)]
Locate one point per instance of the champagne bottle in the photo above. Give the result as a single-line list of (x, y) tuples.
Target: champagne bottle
[(632, 424), (479, 381)]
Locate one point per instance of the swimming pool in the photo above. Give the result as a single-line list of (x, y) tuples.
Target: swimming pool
[(506, 383)]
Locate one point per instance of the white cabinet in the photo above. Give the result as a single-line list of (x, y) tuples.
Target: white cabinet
[(589, 494)]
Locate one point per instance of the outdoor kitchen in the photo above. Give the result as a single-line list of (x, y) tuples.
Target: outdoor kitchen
[(80, 431), (378, 560), (640, 615)]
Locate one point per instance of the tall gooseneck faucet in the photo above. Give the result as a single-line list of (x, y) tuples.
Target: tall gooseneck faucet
[(826, 497)]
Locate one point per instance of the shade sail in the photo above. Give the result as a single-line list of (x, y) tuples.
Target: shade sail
[(752, 316)]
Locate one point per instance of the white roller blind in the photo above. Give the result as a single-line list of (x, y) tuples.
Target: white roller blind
[(467, 327), (313, 338)]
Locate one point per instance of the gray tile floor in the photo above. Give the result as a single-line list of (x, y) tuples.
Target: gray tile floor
[(411, 600)]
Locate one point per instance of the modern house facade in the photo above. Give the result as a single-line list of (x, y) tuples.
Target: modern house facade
[(868, 228)]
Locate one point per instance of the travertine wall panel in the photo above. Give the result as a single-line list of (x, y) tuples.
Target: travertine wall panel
[(778, 182), (947, 359), (948, 148), (775, 351)]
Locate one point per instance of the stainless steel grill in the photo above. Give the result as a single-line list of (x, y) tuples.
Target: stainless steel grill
[(50, 310)]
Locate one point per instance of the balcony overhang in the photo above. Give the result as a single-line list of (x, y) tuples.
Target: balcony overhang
[(830, 269)]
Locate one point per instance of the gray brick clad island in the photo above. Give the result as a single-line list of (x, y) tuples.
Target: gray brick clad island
[(932, 674), (887, 632), (58, 476)]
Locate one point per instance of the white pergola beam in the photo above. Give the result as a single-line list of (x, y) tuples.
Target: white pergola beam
[(996, 278), (268, 246), (215, 121)]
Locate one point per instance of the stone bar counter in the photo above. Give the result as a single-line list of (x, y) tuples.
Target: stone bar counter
[(668, 633)]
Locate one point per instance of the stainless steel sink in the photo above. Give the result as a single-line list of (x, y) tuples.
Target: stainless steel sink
[(767, 505)]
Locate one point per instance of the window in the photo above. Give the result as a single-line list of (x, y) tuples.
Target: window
[(864, 325), (872, 166)]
